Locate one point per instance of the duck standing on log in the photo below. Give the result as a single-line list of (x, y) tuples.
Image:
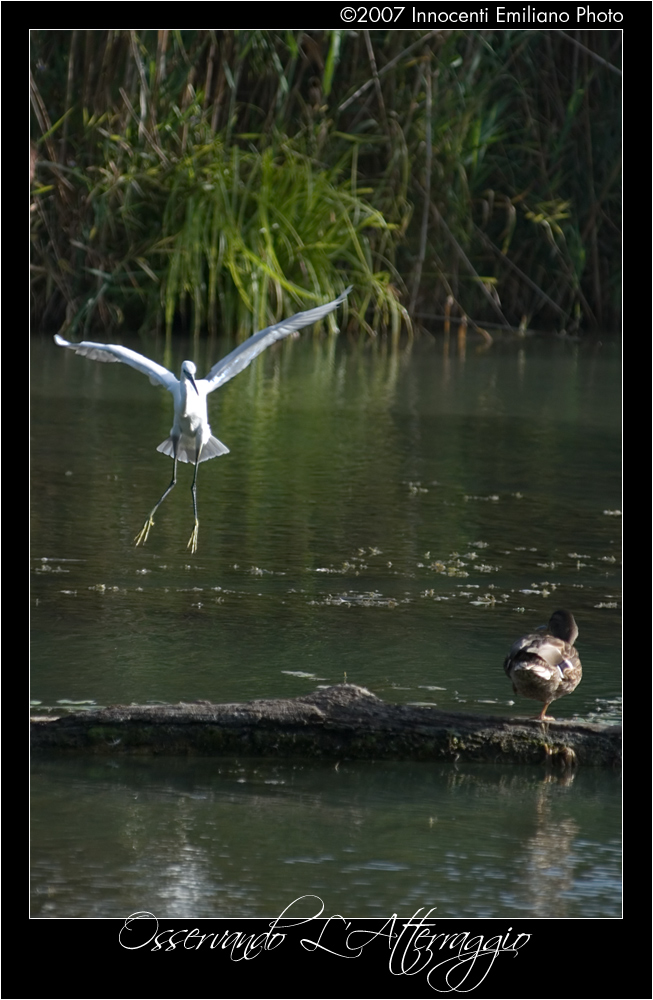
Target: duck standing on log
[(545, 665)]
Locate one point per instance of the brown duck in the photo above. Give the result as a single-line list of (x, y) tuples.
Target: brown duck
[(544, 665)]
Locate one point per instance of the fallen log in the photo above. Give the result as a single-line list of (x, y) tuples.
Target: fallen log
[(343, 721)]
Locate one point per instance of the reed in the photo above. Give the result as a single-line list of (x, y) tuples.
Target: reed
[(207, 179)]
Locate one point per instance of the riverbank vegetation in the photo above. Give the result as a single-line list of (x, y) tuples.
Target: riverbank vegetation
[(206, 180)]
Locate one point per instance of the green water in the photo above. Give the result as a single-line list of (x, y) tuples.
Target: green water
[(395, 517), (217, 838)]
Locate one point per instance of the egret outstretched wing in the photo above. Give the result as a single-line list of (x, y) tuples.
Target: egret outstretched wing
[(190, 437), (157, 374), (245, 353)]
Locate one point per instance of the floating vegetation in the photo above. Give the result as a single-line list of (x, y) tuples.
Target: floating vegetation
[(367, 600), (303, 673), (62, 707), (455, 565), (486, 601), (79, 704), (608, 711), (493, 498)]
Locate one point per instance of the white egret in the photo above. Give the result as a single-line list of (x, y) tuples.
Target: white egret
[(190, 437)]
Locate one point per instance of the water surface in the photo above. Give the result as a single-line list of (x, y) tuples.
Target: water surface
[(221, 838), (392, 518)]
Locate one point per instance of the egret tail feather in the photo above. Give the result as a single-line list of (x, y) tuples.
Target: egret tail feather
[(186, 449)]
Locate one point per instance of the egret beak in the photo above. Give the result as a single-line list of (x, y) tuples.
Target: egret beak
[(192, 382)]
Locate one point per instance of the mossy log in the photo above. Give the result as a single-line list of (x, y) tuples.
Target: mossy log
[(343, 721)]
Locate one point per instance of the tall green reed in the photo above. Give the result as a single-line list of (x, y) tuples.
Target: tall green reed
[(220, 178)]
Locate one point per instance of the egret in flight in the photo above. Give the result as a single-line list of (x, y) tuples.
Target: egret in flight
[(190, 438)]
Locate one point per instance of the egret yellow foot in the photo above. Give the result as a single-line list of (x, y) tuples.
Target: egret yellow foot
[(141, 537), (192, 541)]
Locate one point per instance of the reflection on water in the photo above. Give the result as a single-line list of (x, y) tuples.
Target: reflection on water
[(393, 517), (202, 837)]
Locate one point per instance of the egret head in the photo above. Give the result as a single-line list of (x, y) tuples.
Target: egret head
[(188, 370)]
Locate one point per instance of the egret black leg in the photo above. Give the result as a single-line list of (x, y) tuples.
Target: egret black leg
[(192, 541), (141, 537)]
